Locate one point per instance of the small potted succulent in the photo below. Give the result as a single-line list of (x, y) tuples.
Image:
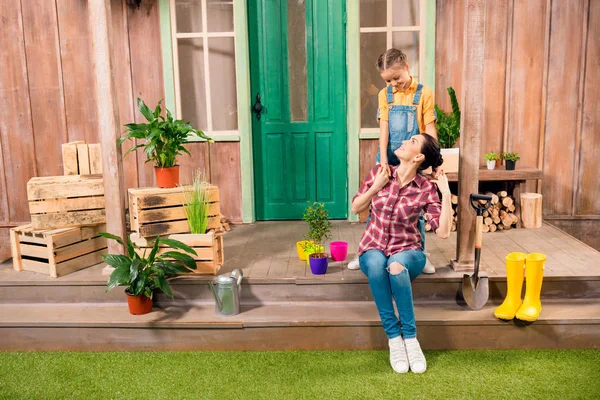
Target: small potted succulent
[(141, 275), (164, 140), (490, 159), (317, 217), (510, 159)]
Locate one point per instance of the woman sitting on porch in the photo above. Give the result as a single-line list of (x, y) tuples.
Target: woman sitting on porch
[(390, 252)]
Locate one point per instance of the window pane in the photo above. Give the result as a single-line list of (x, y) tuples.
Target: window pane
[(191, 77), (373, 13), (297, 60), (408, 42), (405, 12), (189, 15), (220, 15), (371, 46), (221, 58)]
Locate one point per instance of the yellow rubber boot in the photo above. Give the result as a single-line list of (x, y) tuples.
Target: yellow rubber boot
[(534, 272), (515, 269)]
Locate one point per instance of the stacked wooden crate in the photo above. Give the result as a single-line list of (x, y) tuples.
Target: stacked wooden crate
[(67, 214), (160, 212)]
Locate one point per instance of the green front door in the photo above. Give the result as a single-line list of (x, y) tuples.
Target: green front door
[(298, 69)]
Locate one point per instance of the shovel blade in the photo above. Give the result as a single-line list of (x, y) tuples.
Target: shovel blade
[(475, 291)]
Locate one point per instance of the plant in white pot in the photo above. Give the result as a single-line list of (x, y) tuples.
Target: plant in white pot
[(317, 217), (490, 159), (448, 131)]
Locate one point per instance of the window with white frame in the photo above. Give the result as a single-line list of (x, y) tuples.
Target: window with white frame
[(203, 35), (385, 24)]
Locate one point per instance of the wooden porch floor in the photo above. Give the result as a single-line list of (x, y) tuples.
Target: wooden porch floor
[(266, 251)]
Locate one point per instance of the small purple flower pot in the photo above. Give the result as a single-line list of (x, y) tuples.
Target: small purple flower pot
[(318, 266), (338, 250)]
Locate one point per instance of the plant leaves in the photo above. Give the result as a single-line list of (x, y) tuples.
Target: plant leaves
[(163, 285), (111, 236), (116, 260), (154, 251), (120, 276), (144, 110), (184, 258), (176, 244)]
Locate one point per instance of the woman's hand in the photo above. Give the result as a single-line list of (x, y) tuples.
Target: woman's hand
[(382, 177), (442, 183)]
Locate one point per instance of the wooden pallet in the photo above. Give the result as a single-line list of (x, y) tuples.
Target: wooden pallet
[(56, 252), (159, 212), (80, 158), (208, 246), (66, 201)]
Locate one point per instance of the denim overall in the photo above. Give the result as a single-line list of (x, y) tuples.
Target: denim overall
[(402, 122)]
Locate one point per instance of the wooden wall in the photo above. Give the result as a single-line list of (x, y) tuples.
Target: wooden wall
[(47, 97), (541, 97)]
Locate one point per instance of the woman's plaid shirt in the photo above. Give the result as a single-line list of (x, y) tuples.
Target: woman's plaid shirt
[(395, 212)]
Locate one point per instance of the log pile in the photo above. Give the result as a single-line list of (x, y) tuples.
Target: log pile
[(500, 216)]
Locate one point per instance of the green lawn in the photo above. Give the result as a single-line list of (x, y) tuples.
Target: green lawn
[(543, 374)]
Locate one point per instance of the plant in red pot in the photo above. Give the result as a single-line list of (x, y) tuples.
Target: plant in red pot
[(317, 217), (164, 140), (142, 275)]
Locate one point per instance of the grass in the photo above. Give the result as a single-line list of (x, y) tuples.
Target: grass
[(528, 374), (196, 205)]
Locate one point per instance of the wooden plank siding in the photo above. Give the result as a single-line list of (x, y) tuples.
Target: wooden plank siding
[(47, 98), (541, 92), (46, 81)]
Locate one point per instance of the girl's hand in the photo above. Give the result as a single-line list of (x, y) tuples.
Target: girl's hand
[(442, 183), (382, 177)]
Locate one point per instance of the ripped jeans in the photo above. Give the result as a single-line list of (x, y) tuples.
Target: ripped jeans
[(385, 284)]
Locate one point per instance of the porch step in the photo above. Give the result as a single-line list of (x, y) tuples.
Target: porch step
[(425, 288), (286, 326)]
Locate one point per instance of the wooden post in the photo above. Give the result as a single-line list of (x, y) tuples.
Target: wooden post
[(470, 131), (108, 120)]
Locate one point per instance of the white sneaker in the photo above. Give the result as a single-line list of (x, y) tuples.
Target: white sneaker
[(398, 358), (429, 268), (354, 264), (416, 359)]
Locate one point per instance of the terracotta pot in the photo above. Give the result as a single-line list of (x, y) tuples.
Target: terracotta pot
[(167, 177), (139, 305), (498, 163)]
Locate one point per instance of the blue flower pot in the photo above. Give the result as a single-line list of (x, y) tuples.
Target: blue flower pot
[(318, 266)]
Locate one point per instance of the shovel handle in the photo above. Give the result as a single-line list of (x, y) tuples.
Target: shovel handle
[(478, 242)]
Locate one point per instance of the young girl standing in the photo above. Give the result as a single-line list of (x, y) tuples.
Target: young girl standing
[(405, 109)]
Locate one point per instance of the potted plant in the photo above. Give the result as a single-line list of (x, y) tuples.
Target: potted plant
[(448, 131), (196, 204), (165, 140), (317, 217), (491, 159), (510, 159), (141, 274)]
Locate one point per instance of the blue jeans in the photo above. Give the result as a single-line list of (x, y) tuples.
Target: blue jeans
[(385, 285)]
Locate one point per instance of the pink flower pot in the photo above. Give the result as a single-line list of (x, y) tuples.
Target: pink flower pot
[(338, 250)]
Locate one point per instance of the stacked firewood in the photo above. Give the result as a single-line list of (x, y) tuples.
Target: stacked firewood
[(500, 216)]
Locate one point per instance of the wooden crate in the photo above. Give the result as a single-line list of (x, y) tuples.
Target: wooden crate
[(208, 246), (80, 158), (66, 201), (56, 252), (155, 211)]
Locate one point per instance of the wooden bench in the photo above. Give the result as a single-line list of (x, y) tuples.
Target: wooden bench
[(515, 180)]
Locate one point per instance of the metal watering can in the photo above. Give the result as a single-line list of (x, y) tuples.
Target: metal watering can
[(227, 293)]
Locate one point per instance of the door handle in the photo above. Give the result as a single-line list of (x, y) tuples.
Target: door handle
[(257, 107)]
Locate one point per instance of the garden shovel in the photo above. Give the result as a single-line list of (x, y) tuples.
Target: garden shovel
[(475, 289)]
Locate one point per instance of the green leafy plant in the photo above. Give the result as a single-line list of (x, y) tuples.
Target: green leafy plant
[(317, 217), (491, 156), (511, 156), (448, 125), (141, 274), (165, 138), (196, 204)]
